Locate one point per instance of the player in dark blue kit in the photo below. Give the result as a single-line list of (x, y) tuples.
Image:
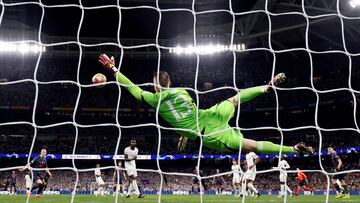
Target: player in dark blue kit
[(12, 182), (39, 162), (119, 186), (219, 183), (338, 180), (197, 182)]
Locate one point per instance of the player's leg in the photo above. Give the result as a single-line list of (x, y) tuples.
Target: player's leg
[(337, 187), (28, 189), (250, 185), (238, 188), (133, 184), (250, 178), (40, 188), (202, 186), (265, 147), (224, 138), (136, 187), (287, 189), (341, 179), (38, 184), (193, 188), (130, 186), (247, 95), (13, 188), (250, 93), (115, 189), (101, 186), (122, 189), (235, 187), (282, 190), (306, 187), (300, 185)]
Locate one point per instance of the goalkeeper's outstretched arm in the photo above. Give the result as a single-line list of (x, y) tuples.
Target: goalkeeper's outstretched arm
[(136, 91)]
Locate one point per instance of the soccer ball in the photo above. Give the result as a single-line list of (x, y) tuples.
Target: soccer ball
[(98, 78)]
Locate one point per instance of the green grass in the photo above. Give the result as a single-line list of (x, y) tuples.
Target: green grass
[(171, 199)]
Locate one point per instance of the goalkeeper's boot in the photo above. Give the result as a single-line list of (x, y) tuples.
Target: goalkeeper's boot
[(278, 79), (346, 196), (257, 195), (39, 196), (141, 196), (280, 196), (292, 194), (302, 148)]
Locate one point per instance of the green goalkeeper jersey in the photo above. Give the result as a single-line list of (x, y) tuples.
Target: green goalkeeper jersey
[(178, 109), (176, 106)]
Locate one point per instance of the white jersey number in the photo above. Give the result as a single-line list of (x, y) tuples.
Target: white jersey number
[(185, 103)]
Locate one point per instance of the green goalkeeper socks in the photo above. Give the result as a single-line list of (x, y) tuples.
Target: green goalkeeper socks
[(265, 147), (250, 93)]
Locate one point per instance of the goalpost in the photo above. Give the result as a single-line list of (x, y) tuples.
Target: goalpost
[(38, 46)]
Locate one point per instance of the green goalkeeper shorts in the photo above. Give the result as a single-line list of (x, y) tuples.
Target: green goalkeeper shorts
[(220, 135)]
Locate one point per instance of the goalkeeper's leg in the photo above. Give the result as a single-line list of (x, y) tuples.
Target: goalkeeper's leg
[(265, 147), (250, 93)]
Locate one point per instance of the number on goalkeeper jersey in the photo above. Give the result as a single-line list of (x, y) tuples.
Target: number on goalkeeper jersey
[(185, 103)]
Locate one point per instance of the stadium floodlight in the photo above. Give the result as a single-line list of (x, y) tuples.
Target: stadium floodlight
[(354, 3), (206, 49), (23, 48)]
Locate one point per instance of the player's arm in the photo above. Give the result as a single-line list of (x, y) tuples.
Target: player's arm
[(114, 175), (339, 163), (129, 159), (286, 165), (223, 180), (305, 177), (47, 170), (232, 172), (136, 91), (124, 175), (28, 165), (97, 173), (24, 167), (257, 160)]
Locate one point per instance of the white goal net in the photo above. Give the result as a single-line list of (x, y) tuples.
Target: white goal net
[(201, 40)]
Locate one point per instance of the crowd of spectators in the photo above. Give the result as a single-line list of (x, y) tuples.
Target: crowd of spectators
[(104, 141), (150, 181)]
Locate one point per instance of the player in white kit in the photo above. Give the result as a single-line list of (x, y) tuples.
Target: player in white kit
[(99, 181), (283, 166), (252, 159), (131, 153), (236, 181), (28, 184)]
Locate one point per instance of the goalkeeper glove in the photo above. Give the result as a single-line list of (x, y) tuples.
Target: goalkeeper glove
[(108, 63)]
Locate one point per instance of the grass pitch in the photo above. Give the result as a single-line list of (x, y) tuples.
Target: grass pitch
[(172, 199)]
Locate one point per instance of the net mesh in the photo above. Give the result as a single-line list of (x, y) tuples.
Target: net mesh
[(308, 17)]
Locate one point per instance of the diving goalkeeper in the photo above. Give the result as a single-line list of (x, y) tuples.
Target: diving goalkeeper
[(178, 109)]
